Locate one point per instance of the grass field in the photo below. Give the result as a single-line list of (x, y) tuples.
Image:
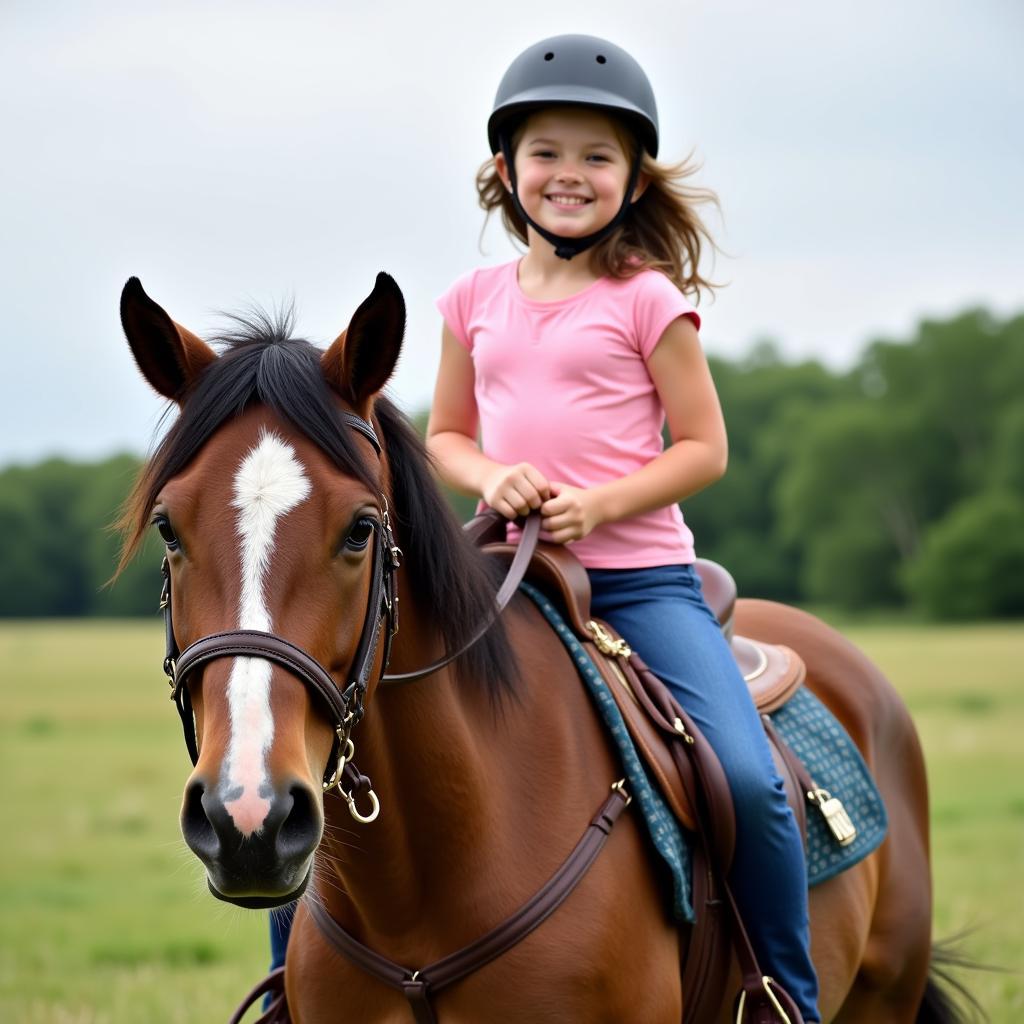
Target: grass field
[(105, 915)]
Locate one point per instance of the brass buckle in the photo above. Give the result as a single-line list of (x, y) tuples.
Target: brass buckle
[(354, 811), (394, 551), (620, 788), (606, 643), (677, 724), (836, 816), (165, 588), (348, 751)]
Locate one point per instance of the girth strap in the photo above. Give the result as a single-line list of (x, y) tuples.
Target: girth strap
[(418, 986)]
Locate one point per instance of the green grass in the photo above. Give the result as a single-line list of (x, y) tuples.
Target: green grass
[(965, 688), (105, 914)]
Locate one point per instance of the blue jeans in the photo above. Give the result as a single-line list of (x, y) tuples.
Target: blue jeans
[(662, 614), (280, 929)]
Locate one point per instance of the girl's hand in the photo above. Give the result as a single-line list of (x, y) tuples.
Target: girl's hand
[(570, 513), (514, 490)]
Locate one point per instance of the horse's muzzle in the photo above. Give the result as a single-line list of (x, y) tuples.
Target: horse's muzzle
[(270, 866)]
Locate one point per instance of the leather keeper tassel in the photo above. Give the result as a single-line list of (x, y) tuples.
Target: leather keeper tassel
[(842, 828)]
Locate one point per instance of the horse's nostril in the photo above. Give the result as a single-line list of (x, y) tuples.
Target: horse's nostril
[(300, 830), (196, 827)]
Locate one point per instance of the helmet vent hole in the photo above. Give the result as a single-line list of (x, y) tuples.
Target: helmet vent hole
[(602, 59), (549, 56)]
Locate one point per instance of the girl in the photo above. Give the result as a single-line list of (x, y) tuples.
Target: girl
[(569, 362)]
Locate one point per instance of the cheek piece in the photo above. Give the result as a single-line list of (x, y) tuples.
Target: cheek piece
[(565, 246)]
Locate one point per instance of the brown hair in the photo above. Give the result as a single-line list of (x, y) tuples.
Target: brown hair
[(663, 229)]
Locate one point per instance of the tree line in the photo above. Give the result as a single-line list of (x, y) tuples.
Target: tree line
[(896, 483)]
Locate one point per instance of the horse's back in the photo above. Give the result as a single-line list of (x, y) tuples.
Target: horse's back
[(851, 685)]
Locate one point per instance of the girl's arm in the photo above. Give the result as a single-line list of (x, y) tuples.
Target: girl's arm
[(697, 457), (451, 441)]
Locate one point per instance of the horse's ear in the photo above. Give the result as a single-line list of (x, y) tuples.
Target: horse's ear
[(362, 358), (170, 357)]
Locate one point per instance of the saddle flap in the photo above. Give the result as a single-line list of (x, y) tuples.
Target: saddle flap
[(675, 779)]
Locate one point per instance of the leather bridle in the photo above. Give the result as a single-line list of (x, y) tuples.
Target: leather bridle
[(343, 705), (344, 708)]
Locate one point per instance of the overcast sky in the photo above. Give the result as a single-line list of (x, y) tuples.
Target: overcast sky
[(869, 158)]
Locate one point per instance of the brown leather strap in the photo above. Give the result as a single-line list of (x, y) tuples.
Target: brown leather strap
[(257, 644), (757, 1005), (706, 966), (516, 572), (800, 778), (416, 992), (664, 711), (486, 527), (417, 986), (793, 763)]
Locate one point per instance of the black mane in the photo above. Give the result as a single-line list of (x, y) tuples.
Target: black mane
[(261, 364)]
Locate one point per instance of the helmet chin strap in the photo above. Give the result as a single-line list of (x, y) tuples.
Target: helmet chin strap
[(567, 246)]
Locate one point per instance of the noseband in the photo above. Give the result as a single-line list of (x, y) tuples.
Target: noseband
[(344, 706)]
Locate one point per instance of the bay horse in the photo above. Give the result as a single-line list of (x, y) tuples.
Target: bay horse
[(272, 489)]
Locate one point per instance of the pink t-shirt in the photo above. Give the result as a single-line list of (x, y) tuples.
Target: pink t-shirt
[(564, 385)]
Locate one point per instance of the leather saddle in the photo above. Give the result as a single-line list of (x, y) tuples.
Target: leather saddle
[(773, 672)]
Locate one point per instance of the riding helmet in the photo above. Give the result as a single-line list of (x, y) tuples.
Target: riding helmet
[(575, 70)]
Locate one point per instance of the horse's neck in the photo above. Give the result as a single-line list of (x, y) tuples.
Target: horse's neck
[(420, 744), (467, 831), (418, 747)]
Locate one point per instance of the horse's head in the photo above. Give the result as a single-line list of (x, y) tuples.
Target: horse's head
[(269, 493)]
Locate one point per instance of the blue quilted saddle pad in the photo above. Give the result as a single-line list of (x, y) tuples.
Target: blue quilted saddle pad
[(816, 736), (813, 732)]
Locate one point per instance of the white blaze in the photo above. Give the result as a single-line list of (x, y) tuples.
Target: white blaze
[(269, 483)]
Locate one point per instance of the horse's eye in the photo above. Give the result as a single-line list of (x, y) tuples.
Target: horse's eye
[(360, 534), (163, 524)]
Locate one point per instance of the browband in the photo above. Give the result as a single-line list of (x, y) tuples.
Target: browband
[(364, 428)]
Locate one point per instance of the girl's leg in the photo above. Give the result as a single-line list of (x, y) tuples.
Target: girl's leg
[(662, 614), (280, 929)]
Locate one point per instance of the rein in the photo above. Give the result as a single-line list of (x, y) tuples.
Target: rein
[(344, 706)]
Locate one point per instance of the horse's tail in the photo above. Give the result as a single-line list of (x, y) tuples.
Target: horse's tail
[(946, 999)]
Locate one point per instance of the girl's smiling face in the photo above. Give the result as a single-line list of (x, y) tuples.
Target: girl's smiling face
[(572, 168)]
